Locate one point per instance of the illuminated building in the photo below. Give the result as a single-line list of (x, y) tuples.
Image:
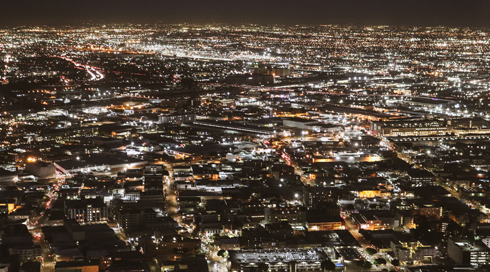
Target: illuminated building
[(325, 223), (287, 260), (7, 207), (369, 223), (467, 251), (410, 128), (87, 210), (296, 216)]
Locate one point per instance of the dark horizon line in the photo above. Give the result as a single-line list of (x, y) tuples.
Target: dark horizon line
[(157, 23)]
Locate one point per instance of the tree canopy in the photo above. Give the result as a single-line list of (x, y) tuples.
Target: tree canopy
[(222, 253), (371, 251), (328, 265)]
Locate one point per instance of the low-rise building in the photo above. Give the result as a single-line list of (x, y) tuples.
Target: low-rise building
[(320, 223), (26, 253), (287, 260), (76, 266)]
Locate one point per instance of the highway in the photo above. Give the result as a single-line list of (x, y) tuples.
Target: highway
[(94, 73)]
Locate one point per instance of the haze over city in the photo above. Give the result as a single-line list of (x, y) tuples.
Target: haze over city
[(471, 13)]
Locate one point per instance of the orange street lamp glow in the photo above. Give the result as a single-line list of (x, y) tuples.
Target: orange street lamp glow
[(31, 159)]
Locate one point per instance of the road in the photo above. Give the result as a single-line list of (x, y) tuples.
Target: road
[(352, 228), (171, 206), (453, 192), (215, 263), (36, 222), (119, 232), (171, 203), (94, 73)]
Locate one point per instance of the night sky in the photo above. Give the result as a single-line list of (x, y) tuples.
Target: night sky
[(359, 12)]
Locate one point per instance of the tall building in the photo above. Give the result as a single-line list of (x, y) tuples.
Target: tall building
[(41, 169), (296, 216), (467, 251), (133, 218), (314, 195), (87, 210)]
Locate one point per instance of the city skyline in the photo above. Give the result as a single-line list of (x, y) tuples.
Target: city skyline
[(244, 147)]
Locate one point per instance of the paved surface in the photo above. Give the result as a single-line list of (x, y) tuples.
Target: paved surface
[(36, 222)]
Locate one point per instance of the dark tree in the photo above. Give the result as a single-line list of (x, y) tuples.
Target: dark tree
[(328, 265), (366, 265), (371, 251), (237, 224), (188, 83), (221, 253), (263, 267)]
